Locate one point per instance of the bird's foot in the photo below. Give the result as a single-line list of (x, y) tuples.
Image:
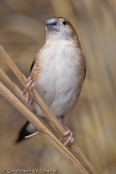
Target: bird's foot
[(70, 138), (29, 83)]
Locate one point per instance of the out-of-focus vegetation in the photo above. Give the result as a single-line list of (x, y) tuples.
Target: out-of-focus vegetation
[(93, 120)]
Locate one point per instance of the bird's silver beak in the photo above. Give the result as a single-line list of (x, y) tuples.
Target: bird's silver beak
[(52, 24)]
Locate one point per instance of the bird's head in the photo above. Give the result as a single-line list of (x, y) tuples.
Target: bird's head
[(58, 29)]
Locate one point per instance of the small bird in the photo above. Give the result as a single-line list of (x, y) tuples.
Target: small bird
[(57, 74)]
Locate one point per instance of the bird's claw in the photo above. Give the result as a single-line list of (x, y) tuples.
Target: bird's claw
[(70, 138), (29, 82)]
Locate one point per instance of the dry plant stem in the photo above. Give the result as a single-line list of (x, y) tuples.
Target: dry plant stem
[(28, 136), (42, 129), (75, 150), (11, 85)]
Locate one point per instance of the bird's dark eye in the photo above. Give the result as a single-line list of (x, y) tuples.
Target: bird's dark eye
[(64, 22)]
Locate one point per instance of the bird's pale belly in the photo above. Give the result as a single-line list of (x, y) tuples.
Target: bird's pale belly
[(59, 90)]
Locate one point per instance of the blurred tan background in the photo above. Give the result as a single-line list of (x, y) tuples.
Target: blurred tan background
[(93, 120)]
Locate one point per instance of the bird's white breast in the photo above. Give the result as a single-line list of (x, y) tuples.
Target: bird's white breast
[(58, 80)]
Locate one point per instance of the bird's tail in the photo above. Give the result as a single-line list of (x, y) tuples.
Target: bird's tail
[(26, 130)]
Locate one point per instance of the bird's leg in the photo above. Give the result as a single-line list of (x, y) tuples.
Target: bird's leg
[(28, 97), (68, 132)]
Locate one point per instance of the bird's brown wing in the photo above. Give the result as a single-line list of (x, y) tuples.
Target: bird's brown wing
[(35, 68), (82, 63), (85, 73), (32, 65)]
